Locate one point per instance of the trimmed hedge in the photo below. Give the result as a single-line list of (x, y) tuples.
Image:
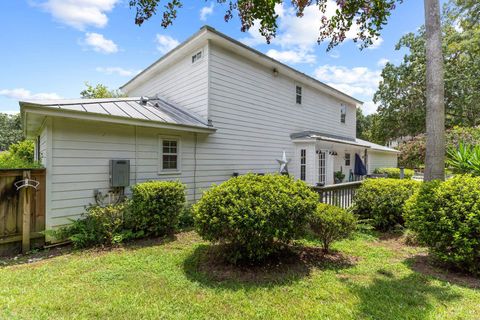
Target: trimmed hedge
[(446, 217), (156, 207), (253, 214), (394, 173), (330, 223), (381, 201)]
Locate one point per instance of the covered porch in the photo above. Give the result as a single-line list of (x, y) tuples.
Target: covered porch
[(322, 159)]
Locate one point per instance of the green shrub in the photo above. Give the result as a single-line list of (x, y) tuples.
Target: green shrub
[(19, 156), (185, 220), (330, 223), (254, 214), (156, 206), (446, 217), (98, 226), (464, 159), (394, 173), (381, 201)]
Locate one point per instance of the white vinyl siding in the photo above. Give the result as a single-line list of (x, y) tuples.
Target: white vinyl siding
[(183, 82), (378, 159)]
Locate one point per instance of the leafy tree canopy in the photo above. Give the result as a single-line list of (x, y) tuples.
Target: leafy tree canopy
[(100, 91), (10, 130), (401, 94), (369, 16)]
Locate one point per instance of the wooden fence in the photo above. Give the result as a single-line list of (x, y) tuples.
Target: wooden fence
[(341, 195), (21, 210)]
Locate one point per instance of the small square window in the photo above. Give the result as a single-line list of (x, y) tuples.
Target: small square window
[(347, 159), (197, 56), (303, 164), (343, 113), (298, 92)]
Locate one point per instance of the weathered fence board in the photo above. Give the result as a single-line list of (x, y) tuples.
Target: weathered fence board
[(12, 209), (340, 195)]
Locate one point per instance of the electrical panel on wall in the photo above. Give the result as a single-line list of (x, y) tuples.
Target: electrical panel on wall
[(119, 173)]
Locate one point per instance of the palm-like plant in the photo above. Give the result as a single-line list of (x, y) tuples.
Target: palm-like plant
[(465, 159)]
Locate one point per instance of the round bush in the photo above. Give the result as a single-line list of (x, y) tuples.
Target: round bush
[(381, 201), (446, 218), (394, 173), (155, 207), (253, 214), (330, 223)]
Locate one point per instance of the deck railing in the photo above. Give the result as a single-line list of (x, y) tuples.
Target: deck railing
[(340, 195)]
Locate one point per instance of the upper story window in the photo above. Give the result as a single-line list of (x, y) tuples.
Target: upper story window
[(298, 94), (343, 113), (347, 159), (169, 154)]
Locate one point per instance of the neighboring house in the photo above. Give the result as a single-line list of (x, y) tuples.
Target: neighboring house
[(217, 108)]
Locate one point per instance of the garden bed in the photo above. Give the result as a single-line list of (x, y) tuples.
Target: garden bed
[(367, 277)]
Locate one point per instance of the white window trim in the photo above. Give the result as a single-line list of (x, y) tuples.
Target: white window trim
[(162, 171), (344, 107)]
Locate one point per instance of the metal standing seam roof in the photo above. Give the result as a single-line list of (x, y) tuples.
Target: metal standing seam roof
[(337, 139), (156, 109)]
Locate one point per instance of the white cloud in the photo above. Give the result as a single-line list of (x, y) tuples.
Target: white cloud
[(291, 56), (206, 11), (369, 107), (376, 43), (358, 81), (97, 42), (382, 62), (80, 13), (24, 94), (117, 70), (165, 43)]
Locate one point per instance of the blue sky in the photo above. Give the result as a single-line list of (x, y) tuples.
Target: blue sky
[(51, 47)]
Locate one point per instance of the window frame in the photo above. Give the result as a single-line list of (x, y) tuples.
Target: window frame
[(298, 95), (303, 164), (177, 139), (349, 159), (194, 55), (343, 113)]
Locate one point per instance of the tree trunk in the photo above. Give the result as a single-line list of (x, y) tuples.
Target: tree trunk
[(435, 153)]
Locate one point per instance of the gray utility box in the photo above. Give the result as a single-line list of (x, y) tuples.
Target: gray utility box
[(119, 173)]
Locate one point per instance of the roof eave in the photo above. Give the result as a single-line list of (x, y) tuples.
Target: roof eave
[(27, 107)]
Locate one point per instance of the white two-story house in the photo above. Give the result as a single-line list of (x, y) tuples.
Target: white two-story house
[(210, 109)]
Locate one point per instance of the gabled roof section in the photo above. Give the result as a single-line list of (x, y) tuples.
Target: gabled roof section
[(151, 112), (207, 33)]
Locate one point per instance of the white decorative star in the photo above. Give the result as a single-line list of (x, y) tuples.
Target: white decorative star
[(283, 163)]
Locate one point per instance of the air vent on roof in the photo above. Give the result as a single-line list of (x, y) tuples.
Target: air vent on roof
[(144, 100)]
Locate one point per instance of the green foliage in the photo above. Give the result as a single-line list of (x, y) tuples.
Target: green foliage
[(98, 226), (381, 201), (185, 220), (446, 217), (10, 130), (331, 223), (465, 159), (156, 206), (401, 94), (253, 214), (368, 16), (339, 176), (100, 91), (394, 173), (19, 156)]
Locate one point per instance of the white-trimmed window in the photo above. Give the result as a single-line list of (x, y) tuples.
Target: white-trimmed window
[(169, 148), (347, 159), (298, 94), (343, 113), (303, 164), (197, 56)]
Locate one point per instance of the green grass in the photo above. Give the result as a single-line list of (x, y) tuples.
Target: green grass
[(170, 281)]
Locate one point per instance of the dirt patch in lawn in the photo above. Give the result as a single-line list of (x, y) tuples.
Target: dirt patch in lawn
[(208, 266)]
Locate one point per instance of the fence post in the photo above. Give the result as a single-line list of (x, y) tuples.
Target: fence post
[(402, 172), (26, 215)]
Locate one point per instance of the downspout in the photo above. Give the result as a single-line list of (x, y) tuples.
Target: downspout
[(195, 168), (136, 163)]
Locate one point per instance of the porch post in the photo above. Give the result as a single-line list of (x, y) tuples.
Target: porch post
[(329, 166)]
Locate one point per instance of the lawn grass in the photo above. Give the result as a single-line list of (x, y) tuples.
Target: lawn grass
[(171, 280)]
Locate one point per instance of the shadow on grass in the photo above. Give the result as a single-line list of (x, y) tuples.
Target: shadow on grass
[(426, 265), (410, 297), (207, 266)]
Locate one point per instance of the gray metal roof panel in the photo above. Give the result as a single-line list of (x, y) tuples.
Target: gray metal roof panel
[(155, 109)]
